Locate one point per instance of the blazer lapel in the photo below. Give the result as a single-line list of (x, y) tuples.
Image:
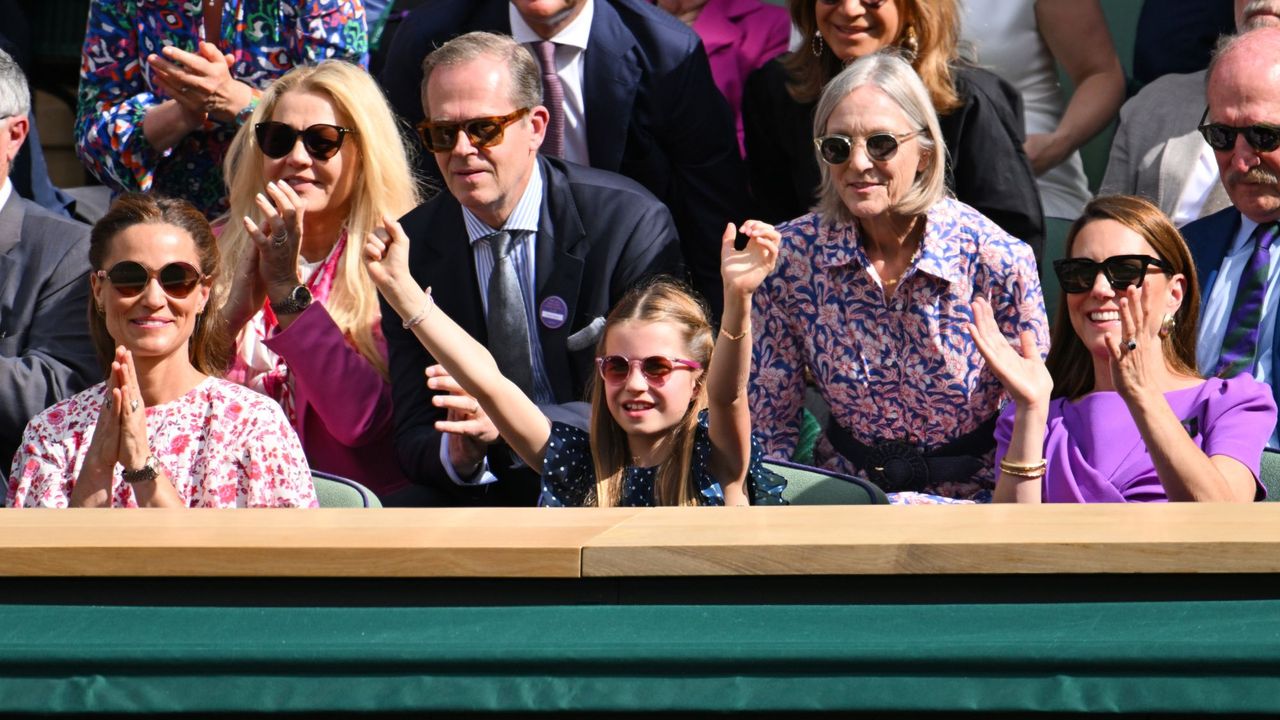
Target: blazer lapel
[(449, 265), (559, 275), (1180, 153), (611, 78), (11, 218)]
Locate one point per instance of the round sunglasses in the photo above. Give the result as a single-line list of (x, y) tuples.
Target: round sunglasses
[(482, 132), (1261, 137), (615, 369), (1077, 275), (320, 141), (881, 146), (130, 278)]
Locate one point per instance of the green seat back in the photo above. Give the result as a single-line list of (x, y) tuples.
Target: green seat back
[(339, 492), (1271, 474), (814, 486)]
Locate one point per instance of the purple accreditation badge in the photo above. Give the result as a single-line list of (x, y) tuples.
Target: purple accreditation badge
[(553, 312)]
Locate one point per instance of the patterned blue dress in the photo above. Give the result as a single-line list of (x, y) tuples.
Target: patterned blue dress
[(569, 479)]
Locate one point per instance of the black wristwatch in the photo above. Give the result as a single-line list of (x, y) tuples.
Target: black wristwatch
[(148, 472), (298, 299)]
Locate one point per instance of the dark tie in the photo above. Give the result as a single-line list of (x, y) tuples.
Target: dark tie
[(1240, 344), (507, 320), (554, 99)]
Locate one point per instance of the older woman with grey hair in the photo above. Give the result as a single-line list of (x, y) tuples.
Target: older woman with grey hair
[(871, 299)]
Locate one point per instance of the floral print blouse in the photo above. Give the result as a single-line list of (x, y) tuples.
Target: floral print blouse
[(895, 367), (222, 445), (266, 38), (569, 474)]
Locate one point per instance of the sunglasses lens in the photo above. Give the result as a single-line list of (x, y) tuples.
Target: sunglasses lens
[(276, 139), (179, 279), (483, 133), (656, 367), (835, 149), (614, 368), (1075, 276), (1123, 272), (1262, 138), (881, 147), (128, 277), (322, 141)]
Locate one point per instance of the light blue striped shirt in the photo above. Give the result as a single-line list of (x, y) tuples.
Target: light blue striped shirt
[(523, 226), (1222, 296)]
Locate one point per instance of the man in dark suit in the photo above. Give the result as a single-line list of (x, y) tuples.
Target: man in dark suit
[(45, 352), (572, 238), (639, 100), (1236, 253)]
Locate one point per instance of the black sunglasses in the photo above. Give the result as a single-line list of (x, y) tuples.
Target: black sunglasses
[(1077, 275), (836, 149), (482, 131), (130, 278), (1261, 137), (321, 141), (615, 369)]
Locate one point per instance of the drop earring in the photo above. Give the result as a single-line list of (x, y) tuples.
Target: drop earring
[(817, 44)]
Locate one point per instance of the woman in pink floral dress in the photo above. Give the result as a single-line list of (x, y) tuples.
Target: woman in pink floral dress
[(161, 431), (872, 298)]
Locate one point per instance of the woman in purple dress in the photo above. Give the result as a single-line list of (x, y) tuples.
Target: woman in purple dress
[(1118, 412)]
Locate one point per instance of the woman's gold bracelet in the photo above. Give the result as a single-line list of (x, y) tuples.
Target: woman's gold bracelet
[(1031, 471), (416, 320), (739, 336)]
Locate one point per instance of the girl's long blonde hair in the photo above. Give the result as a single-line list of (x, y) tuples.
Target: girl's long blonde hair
[(658, 301), (384, 185)]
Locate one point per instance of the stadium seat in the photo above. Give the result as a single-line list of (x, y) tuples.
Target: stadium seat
[(814, 486), (339, 492)]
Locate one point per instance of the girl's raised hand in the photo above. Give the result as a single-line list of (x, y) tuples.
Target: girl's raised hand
[(386, 254), (743, 270), (1021, 371)]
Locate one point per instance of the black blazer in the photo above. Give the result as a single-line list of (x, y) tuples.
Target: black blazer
[(45, 352), (598, 235), (653, 111), (986, 165)]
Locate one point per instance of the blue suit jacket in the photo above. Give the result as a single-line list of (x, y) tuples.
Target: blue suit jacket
[(598, 235), (653, 111), (1209, 238)]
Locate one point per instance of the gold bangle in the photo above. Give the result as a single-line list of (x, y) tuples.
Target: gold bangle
[(1019, 467), (416, 320), (1029, 471), (739, 336)]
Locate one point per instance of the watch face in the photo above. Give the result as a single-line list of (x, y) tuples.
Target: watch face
[(301, 295)]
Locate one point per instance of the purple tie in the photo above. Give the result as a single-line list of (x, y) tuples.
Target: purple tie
[(554, 100), (1240, 344)]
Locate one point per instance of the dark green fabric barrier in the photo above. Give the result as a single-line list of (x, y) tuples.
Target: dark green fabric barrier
[(1197, 657)]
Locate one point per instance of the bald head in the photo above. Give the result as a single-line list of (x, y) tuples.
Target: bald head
[(1243, 90)]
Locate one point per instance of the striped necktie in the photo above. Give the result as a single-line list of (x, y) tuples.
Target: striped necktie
[(1240, 344), (554, 143)]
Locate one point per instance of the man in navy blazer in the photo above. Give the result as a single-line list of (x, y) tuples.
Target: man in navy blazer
[(45, 352), (1243, 92), (652, 110), (588, 234)]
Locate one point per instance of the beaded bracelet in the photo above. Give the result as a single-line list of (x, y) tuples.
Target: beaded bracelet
[(416, 320)]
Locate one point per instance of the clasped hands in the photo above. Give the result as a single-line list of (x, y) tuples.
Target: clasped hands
[(201, 82)]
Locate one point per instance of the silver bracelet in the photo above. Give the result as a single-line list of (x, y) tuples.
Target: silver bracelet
[(416, 320)]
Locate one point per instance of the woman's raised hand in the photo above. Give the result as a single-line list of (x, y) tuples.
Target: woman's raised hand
[(135, 446), (1138, 352), (1022, 372), (743, 270), (201, 81), (279, 239)]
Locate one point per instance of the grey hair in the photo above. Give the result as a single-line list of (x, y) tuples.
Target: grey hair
[(15, 96), (523, 69), (887, 71)]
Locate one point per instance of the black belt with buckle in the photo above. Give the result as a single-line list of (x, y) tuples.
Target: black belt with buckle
[(901, 465)]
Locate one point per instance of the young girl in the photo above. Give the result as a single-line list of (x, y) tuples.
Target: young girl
[(666, 428)]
